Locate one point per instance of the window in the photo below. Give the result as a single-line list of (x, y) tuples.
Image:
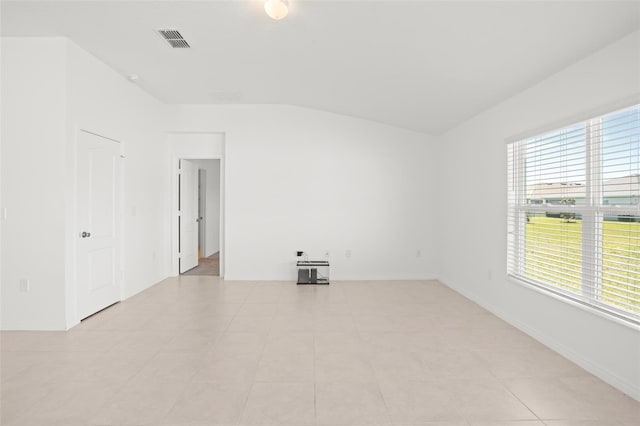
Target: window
[(574, 212)]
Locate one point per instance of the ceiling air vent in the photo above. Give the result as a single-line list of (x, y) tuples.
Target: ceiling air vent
[(174, 38)]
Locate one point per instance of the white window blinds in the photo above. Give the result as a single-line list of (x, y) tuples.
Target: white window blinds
[(574, 212)]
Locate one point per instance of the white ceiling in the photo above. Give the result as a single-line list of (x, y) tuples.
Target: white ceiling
[(421, 65)]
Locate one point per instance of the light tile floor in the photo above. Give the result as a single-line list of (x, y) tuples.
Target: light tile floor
[(200, 351)]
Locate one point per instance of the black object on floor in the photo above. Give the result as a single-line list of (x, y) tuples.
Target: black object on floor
[(308, 274)]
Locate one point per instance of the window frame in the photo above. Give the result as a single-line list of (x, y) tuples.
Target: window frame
[(592, 215)]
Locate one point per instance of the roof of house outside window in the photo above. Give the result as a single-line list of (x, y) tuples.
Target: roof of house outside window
[(625, 186)]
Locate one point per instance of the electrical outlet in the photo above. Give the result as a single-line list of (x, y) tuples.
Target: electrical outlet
[(347, 253), (299, 253), (24, 285)]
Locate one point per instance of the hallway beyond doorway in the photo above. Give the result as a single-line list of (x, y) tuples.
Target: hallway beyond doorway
[(206, 266)]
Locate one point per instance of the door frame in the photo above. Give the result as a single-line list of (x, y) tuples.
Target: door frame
[(202, 212), (72, 312), (195, 154)]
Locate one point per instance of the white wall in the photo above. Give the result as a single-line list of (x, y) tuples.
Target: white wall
[(300, 179), (212, 205), (50, 88), (34, 139), (473, 194)]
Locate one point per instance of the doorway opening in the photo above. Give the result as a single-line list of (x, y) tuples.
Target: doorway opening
[(199, 207)]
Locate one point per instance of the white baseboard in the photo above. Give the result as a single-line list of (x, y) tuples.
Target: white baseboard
[(423, 277), (620, 383)]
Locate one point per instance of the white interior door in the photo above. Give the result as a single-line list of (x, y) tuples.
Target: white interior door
[(188, 215), (98, 219)]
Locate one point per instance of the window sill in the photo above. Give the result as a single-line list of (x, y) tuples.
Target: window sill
[(575, 303)]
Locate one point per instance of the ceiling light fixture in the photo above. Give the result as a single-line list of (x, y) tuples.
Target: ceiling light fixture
[(276, 9)]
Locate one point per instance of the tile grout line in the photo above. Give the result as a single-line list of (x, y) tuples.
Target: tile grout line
[(516, 396), (255, 373)]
